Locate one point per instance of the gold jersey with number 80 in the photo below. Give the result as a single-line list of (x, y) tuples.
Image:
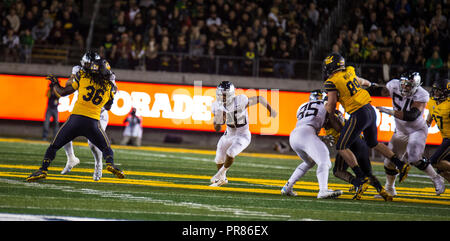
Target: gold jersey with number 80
[(350, 94)]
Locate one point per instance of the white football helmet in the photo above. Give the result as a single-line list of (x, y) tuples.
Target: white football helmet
[(317, 95), (88, 61), (409, 82), (225, 93)]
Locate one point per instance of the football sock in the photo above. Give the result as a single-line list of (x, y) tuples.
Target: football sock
[(322, 176), (399, 164), (430, 171), (297, 174), (390, 180), (358, 172), (68, 148), (45, 164)]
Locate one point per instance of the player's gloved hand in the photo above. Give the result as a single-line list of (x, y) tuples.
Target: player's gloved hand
[(385, 110), (372, 84), (53, 80), (328, 140)]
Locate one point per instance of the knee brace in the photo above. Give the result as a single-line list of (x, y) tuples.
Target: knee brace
[(421, 164)]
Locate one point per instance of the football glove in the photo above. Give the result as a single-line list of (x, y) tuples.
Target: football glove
[(53, 80)]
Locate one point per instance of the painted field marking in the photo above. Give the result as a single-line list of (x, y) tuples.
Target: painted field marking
[(410, 192)]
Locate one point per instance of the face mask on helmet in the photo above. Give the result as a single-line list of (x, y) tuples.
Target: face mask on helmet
[(225, 93), (89, 62), (317, 95), (409, 84), (440, 90)]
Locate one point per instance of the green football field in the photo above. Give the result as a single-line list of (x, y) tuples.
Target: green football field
[(172, 184)]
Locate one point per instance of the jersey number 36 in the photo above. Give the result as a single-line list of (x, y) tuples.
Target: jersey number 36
[(96, 95)]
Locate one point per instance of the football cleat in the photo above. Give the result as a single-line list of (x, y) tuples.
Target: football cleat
[(71, 163), (39, 174), (323, 194), (219, 182), (352, 189), (98, 171), (288, 192), (385, 195), (390, 191), (403, 173), (114, 170), (439, 185), (361, 188)]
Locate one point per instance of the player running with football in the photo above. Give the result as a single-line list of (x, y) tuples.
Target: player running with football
[(344, 86), (409, 100), (304, 140), (231, 110), (94, 91), (439, 107), (72, 160)]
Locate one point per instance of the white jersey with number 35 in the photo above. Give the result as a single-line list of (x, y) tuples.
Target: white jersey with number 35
[(403, 103), (312, 113)]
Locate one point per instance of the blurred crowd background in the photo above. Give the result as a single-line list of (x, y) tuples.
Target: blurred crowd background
[(264, 38)]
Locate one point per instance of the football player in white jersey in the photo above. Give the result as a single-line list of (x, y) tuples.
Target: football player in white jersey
[(304, 140), (231, 110), (409, 100), (72, 160)]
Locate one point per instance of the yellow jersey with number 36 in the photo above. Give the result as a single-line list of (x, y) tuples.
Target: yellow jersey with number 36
[(91, 97), (441, 115), (350, 94)]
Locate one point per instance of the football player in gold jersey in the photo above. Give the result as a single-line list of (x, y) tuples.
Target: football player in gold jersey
[(361, 152), (95, 90), (344, 86), (439, 107)]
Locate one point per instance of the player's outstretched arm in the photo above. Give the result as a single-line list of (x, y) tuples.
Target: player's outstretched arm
[(62, 91), (259, 99), (406, 115)]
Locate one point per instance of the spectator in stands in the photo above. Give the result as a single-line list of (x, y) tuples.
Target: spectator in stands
[(107, 46), (48, 20), (433, 65), (56, 37), (151, 54), (387, 62), (137, 51), (28, 21), (26, 43), (250, 55), (69, 23), (12, 43), (40, 33), (283, 68), (165, 59), (14, 20), (78, 42)]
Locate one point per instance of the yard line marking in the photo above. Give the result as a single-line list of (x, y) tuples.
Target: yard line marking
[(402, 198), (172, 150), (265, 182)]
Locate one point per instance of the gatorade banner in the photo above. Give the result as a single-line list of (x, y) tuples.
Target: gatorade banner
[(179, 107)]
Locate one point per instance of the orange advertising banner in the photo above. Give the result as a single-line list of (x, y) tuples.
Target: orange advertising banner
[(180, 107)]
